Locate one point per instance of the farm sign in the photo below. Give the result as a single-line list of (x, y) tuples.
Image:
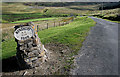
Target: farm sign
[(30, 51), (23, 33)]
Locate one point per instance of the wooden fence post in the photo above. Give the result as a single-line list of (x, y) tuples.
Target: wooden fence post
[(73, 19), (54, 23), (66, 22), (59, 23), (37, 28), (63, 22), (47, 26)]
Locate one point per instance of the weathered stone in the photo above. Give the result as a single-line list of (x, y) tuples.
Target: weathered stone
[(21, 48), (30, 52)]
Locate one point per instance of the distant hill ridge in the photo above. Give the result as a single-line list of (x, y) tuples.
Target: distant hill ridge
[(60, 0), (106, 5)]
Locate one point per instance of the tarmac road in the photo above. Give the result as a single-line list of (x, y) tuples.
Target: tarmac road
[(99, 53)]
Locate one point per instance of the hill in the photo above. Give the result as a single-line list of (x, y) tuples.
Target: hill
[(15, 11)]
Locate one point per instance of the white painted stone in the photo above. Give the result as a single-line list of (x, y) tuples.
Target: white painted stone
[(23, 33)]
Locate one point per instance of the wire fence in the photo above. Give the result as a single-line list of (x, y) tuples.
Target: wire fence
[(7, 33), (54, 24)]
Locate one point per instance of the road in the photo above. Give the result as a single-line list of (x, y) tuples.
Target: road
[(99, 53)]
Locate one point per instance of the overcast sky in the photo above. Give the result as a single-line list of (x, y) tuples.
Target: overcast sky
[(60, 0)]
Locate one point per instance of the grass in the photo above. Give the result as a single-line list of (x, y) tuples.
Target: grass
[(72, 35), (29, 20), (7, 34), (69, 34), (109, 20), (110, 15), (21, 17), (112, 21), (17, 8), (8, 48), (19, 11)]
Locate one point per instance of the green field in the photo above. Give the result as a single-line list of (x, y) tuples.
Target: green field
[(20, 11), (13, 12), (13, 18), (31, 20), (111, 14), (72, 35)]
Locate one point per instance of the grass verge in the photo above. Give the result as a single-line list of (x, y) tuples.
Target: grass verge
[(71, 35), (108, 20), (112, 21)]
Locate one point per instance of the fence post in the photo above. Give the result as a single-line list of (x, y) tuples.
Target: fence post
[(66, 22), (63, 22), (47, 26), (59, 23), (54, 23), (37, 28), (73, 19)]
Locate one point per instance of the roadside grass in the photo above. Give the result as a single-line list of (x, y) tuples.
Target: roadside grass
[(29, 20), (109, 15), (112, 21), (108, 20), (72, 35)]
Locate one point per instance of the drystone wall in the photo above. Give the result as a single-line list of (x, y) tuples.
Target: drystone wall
[(30, 51)]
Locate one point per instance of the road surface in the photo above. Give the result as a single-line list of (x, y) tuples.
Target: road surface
[(99, 53)]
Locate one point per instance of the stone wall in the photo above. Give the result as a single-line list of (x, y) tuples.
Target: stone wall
[(30, 52)]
